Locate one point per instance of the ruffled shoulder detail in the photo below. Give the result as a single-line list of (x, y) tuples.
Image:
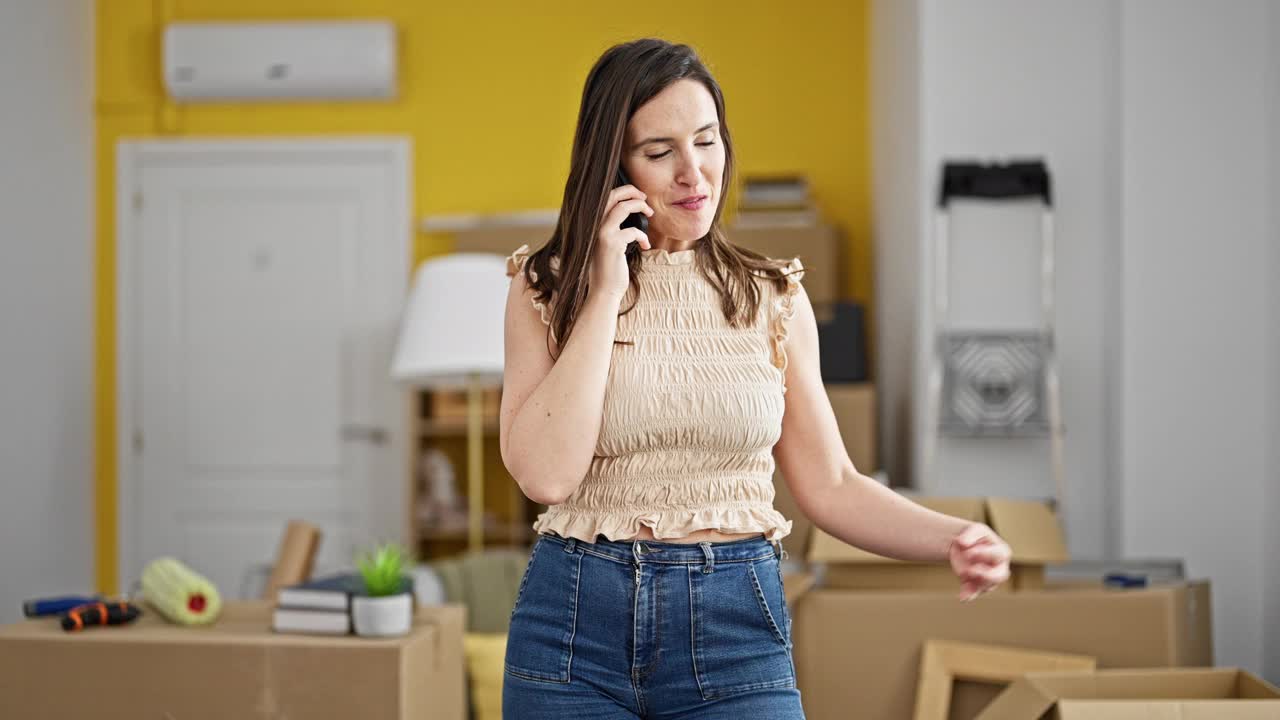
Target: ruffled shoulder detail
[(783, 310), (515, 264), (516, 260)]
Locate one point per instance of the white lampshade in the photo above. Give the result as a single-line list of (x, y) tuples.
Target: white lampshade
[(453, 325)]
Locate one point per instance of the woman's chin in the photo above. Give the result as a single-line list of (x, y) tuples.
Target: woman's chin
[(688, 232)]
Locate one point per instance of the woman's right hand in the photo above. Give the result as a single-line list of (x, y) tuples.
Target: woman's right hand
[(609, 272)]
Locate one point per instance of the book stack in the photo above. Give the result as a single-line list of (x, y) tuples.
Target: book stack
[(776, 201), (317, 607)]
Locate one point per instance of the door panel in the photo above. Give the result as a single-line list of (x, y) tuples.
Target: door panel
[(267, 299)]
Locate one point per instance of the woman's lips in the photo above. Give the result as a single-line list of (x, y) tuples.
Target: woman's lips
[(692, 204)]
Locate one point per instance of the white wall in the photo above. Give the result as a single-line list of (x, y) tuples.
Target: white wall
[(46, 261), (895, 83), (1196, 202), (1153, 116), (1271, 519), (1005, 79)]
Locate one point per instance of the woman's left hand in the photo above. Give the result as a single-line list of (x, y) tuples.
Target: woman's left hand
[(980, 559)]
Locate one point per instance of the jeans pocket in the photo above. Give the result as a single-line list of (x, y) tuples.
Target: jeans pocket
[(524, 580), (739, 644), (782, 603), (544, 620)]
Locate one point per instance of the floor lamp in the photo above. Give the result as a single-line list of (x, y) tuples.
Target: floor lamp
[(451, 339)]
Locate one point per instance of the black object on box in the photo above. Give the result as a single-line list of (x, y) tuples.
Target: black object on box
[(100, 613), (842, 344)]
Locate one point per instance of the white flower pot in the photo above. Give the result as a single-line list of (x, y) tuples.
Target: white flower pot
[(382, 616)]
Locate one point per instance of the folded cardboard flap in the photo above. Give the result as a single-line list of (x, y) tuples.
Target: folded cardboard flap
[(1167, 710), (1031, 528), (1136, 693), (1036, 534), (1156, 683), (944, 661), (1250, 687)]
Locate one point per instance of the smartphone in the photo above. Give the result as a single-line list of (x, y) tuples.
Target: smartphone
[(635, 220)]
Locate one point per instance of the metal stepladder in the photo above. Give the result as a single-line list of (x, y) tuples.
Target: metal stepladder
[(994, 383)]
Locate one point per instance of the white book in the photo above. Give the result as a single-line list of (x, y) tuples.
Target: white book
[(327, 593), (319, 622)]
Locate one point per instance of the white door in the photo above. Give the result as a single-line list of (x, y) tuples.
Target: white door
[(261, 285)]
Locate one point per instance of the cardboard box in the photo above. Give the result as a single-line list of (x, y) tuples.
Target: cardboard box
[(1213, 694), (795, 584), (502, 239), (855, 409), (235, 668), (861, 649), (1030, 527), (854, 405), (818, 248)]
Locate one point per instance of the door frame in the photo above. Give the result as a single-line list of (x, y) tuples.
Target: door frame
[(132, 156)]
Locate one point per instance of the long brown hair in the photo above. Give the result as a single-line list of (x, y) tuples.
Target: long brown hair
[(624, 78)]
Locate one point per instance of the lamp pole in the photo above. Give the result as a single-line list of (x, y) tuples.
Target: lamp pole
[(475, 462)]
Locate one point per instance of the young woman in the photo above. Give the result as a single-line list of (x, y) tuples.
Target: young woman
[(653, 377)]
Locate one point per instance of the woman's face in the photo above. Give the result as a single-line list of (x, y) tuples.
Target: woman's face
[(673, 152)]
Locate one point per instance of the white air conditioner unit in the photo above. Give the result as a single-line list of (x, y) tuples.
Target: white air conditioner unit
[(280, 60)]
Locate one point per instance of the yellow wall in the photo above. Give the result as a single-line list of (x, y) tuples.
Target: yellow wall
[(489, 95)]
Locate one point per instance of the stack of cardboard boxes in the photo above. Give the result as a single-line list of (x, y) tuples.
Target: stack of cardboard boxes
[(860, 630)]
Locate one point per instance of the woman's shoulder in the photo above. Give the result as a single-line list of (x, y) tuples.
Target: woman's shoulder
[(520, 257), (790, 269)]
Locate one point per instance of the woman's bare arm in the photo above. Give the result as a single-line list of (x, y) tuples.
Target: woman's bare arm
[(552, 409)]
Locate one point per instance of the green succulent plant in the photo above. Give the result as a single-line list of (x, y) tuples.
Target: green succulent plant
[(383, 569)]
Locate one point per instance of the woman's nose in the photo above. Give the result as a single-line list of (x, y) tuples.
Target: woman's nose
[(688, 172)]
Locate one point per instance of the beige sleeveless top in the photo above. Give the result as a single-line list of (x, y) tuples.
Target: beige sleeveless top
[(692, 411)]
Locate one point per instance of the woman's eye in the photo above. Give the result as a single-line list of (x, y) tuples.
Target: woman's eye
[(659, 157)]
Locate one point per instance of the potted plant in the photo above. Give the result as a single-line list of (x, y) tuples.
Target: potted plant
[(385, 607)]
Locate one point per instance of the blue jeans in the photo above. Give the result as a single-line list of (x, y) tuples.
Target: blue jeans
[(643, 629)]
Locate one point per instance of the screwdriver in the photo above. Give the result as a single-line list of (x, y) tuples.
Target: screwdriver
[(40, 607), (116, 613)]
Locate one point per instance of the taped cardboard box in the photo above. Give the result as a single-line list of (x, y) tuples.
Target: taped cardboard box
[(1210, 694), (861, 649), (236, 668), (1031, 529)]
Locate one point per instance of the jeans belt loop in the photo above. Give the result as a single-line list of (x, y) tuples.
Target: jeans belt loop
[(779, 551), (710, 566)]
